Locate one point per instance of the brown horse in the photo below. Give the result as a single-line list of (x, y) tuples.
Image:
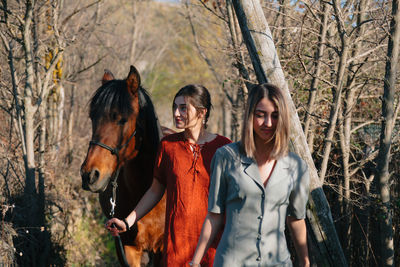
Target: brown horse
[(120, 160)]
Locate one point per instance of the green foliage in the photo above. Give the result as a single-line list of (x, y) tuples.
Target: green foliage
[(90, 244)]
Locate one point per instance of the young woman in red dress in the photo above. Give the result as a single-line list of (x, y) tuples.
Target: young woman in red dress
[(183, 169)]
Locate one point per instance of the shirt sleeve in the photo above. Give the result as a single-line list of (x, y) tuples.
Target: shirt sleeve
[(217, 192), (299, 195), (159, 166)]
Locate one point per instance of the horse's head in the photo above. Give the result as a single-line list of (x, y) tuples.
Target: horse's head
[(114, 110)]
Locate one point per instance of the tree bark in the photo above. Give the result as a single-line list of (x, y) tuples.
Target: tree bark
[(337, 91), (239, 93), (42, 236), (29, 109), (259, 42), (309, 122), (70, 127), (345, 130), (385, 217)]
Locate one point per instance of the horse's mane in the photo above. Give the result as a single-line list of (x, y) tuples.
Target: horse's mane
[(111, 96), (114, 97), (148, 115)]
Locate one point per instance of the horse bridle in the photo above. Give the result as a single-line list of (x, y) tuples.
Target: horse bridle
[(114, 151), (114, 176)]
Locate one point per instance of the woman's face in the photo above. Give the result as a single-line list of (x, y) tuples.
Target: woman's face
[(185, 114), (265, 120)]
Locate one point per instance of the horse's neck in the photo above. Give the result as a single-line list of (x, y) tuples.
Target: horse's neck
[(137, 173), (133, 181), (136, 176), (148, 113)]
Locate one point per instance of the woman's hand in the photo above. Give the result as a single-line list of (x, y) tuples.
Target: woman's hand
[(149, 200), (115, 226)]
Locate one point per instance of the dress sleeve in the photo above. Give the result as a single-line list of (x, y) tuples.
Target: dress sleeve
[(218, 185), (159, 166), (299, 195)]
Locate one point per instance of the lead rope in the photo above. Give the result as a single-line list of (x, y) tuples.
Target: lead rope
[(113, 201), (113, 198)]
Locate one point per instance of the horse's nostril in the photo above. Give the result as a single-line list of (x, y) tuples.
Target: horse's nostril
[(94, 176)]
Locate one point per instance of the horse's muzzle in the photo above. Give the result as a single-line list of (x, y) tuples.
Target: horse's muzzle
[(91, 181)]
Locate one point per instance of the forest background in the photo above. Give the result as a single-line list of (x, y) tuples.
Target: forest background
[(53, 55)]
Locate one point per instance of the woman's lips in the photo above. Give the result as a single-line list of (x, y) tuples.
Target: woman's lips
[(268, 130)]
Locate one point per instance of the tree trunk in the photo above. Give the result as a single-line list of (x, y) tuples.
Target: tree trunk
[(42, 236), (70, 127), (346, 132), (309, 121), (29, 135), (29, 109), (267, 67), (282, 11), (60, 114), (239, 92), (337, 92), (386, 249)]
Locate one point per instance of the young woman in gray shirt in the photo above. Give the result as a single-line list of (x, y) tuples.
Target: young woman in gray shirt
[(257, 185)]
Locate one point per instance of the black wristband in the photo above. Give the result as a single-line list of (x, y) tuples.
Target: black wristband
[(126, 224)]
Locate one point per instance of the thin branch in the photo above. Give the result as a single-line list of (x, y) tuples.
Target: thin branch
[(91, 65), (213, 12), (359, 25), (361, 126), (49, 72), (76, 11), (366, 53), (201, 52)]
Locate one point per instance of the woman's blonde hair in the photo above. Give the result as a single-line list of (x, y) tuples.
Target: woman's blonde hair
[(281, 136)]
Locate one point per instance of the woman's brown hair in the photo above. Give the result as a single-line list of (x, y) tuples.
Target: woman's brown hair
[(198, 96)]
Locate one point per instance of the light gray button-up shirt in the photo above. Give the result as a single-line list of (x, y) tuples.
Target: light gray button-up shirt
[(255, 215)]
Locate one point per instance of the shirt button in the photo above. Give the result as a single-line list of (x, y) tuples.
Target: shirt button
[(262, 195), (259, 237), (260, 217), (258, 259)]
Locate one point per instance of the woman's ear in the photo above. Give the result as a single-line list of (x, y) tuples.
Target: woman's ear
[(202, 113)]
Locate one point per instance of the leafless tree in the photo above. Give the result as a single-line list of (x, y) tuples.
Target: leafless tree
[(389, 115)]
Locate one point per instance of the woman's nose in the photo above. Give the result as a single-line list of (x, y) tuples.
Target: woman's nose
[(176, 112), (268, 121)]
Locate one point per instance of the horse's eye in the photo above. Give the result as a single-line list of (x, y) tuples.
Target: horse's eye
[(122, 121), (113, 116)]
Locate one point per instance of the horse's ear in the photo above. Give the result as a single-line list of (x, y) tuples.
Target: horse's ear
[(133, 80), (108, 76)]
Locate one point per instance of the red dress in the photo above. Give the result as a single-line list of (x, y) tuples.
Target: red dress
[(184, 169)]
